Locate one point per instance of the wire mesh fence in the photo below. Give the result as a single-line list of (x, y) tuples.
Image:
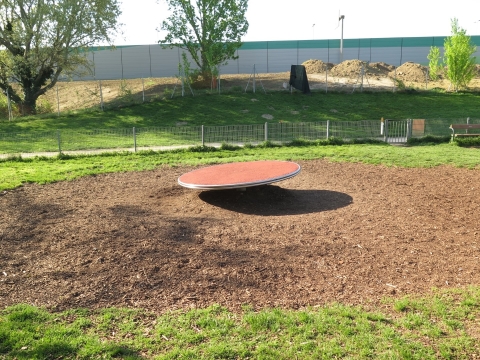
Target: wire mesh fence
[(234, 134), (69, 96), (163, 138), (29, 142), (152, 137)]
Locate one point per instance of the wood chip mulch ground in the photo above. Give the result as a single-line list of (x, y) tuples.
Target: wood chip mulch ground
[(345, 232)]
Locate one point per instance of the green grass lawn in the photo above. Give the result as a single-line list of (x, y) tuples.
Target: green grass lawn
[(177, 121), (441, 326), (241, 108), (16, 171)]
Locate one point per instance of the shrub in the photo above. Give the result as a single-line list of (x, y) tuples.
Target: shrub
[(468, 141), (202, 148), (429, 140), (227, 146)]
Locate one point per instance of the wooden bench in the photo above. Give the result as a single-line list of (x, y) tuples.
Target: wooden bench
[(454, 127)]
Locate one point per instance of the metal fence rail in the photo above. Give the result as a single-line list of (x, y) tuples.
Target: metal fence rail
[(28, 142), (355, 129), (167, 136), (284, 132), (233, 134), (133, 139)]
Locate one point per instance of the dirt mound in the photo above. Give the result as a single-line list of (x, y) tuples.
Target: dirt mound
[(410, 71), (351, 68), (347, 68), (380, 68), (313, 66)]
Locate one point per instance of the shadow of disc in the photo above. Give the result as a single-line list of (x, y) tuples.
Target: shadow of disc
[(270, 200)]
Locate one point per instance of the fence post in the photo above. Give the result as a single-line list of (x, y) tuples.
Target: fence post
[(59, 142), (409, 128), (254, 73), (266, 132), (143, 91), (328, 129), (326, 79), (395, 80), (385, 131), (134, 140), (203, 136), (58, 103), (101, 95)]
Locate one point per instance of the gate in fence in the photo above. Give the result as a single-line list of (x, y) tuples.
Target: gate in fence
[(396, 131)]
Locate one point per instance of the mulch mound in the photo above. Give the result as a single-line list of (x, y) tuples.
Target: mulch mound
[(344, 232)]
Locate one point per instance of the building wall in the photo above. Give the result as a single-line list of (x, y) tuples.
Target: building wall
[(143, 61)]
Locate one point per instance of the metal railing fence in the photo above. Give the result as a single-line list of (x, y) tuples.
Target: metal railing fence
[(162, 138)]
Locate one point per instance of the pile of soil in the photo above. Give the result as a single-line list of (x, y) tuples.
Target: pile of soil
[(352, 68), (345, 232), (410, 72), (316, 66), (348, 68), (380, 68)]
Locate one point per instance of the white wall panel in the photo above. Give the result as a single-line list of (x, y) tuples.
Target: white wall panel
[(389, 55), (136, 62), (280, 60), (108, 64), (165, 61), (248, 58)]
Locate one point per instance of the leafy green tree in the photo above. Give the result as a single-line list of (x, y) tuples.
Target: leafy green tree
[(210, 30), (41, 39), (458, 57)]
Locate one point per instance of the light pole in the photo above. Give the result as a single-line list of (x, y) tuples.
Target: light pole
[(340, 18), (313, 30)]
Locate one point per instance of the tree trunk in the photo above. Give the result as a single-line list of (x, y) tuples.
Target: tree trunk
[(29, 103)]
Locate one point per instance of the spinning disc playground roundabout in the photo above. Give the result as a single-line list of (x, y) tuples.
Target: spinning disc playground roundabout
[(345, 232), (239, 175)]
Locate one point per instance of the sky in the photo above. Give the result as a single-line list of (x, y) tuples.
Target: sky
[(315, 19)]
